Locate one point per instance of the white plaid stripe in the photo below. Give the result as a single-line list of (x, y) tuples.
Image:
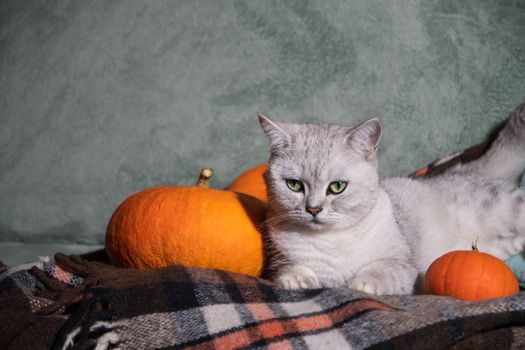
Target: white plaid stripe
[(301, 307), (221, 317), (327, 340)]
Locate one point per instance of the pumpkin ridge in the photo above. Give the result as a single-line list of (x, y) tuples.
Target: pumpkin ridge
[(480, 274), (508, 281), (447, 270), (463, 260), (505, 285)]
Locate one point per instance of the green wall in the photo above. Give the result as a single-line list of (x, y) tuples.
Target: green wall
[(99, 99)]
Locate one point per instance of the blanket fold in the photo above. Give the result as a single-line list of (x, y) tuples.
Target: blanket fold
[(74, 303)]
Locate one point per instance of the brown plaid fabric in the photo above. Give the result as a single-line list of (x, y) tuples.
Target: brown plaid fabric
[(77, 304)]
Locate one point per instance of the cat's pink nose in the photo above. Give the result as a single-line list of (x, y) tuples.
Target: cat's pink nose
[(313, 211)]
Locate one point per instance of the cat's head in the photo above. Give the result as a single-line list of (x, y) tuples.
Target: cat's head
[(321, 176)]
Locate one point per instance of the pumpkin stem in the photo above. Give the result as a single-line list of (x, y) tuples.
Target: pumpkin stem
[(475, 244), (204, 177)]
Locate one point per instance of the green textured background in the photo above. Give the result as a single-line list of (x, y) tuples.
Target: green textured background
[(99, 99)]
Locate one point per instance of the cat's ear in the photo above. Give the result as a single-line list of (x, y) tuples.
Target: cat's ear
[(365, 138), (275, 132)]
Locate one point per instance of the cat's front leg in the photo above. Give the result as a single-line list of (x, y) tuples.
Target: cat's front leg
[(387, 276), (297, 277)]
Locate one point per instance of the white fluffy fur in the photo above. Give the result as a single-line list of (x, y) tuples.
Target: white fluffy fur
[(377, 236)]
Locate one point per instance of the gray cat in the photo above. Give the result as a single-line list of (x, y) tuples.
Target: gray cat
[(333, 223)]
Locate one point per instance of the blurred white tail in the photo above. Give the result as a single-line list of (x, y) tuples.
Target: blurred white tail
[(505, 159)]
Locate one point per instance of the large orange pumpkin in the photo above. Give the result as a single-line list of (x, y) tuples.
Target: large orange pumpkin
[(194, 226), (252, 182), (470, 275)]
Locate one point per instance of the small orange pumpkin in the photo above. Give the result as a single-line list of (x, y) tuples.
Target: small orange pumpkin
[(470, 275), (252, 182), (194, 226)]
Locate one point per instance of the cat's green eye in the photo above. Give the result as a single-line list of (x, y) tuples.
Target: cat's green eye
[(294, 185), (337, 187)]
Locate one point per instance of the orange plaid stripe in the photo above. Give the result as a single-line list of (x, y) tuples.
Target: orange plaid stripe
[(273, 331)]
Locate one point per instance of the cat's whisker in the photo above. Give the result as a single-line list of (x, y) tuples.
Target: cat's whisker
[(277, 219), (273, 221), (287, 218)]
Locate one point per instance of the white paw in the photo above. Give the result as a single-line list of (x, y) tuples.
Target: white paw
[(369, 284), (298, 278)]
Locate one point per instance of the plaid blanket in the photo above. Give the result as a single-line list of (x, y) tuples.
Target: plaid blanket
[(74, 303)]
